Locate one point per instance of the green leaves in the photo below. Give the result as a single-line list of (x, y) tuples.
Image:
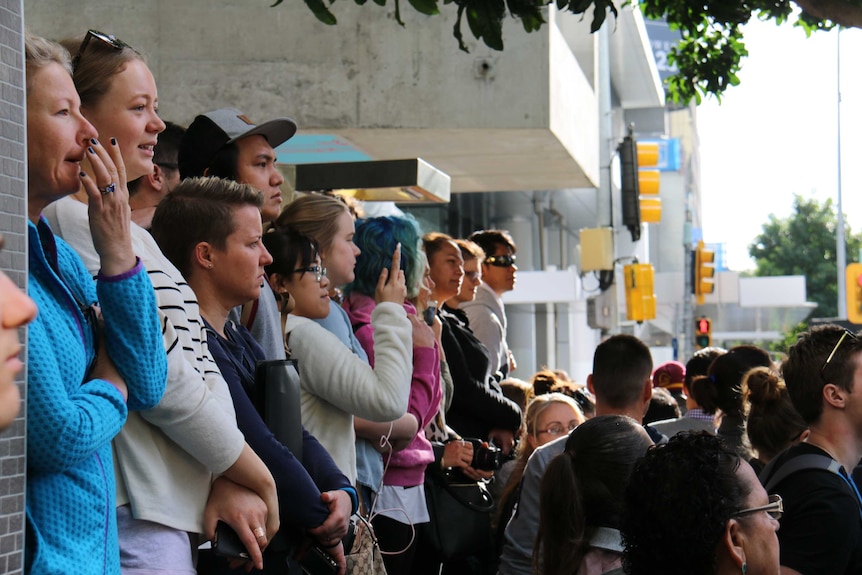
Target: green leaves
[(804, 244)]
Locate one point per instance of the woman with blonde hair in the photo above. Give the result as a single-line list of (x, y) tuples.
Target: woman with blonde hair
[(95, 350), (190, 441), (548, 417)]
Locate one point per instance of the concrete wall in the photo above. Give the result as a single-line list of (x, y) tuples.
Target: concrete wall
[(13, 261), (365, 72)]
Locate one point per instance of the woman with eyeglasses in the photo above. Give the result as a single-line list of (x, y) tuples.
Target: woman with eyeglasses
[(695, 506), (581, 497), (336, 384), (547, 417), (478, 407), (211, 230), (168, 456), (95, 349)]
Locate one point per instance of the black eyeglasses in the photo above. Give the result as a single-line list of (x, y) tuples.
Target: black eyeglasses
[(775, 508), (841, 339), (319, 272), (500, 261), (107, 39)]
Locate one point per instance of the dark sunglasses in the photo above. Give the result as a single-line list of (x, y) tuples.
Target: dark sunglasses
[(841, 339), (500, 261), (107, 39)]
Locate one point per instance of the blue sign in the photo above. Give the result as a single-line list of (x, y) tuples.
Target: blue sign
[(662, 39), (318, 149), (668, 154)]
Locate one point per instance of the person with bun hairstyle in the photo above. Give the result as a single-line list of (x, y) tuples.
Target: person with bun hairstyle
[(771, 421), (726, 373)]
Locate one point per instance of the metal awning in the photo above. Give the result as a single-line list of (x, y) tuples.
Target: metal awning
[(407, 180)]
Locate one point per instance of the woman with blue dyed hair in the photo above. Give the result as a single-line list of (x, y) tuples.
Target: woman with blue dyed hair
[(407, 451)]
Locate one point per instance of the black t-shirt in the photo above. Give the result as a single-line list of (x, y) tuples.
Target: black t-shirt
[(821, 529)]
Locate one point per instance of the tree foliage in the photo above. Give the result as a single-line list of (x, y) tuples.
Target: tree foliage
[(708, 56), (804, 244)]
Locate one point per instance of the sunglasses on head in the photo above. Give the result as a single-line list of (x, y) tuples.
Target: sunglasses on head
[(500, 261), (106, 39), (845, 335)]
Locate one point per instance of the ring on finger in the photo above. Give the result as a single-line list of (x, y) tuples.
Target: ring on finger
[(259, 532), (109, 189)]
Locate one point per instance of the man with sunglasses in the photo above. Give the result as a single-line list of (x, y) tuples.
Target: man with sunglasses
[(486, 312), (821, 530)]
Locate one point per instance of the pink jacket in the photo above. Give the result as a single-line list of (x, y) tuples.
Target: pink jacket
[(406, 467)]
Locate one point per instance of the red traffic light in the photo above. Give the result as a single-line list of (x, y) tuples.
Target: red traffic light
[(703, 325)]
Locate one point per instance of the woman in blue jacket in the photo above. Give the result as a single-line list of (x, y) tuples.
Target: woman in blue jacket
[(95, 348)]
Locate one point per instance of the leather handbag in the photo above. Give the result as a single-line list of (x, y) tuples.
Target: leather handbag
[(460, 511)]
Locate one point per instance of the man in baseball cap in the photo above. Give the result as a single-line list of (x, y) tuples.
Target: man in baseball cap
[(225, 143)]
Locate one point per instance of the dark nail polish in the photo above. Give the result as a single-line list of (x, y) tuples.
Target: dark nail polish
[(91, 150), (93, 141), (83, 175), (113, 141)]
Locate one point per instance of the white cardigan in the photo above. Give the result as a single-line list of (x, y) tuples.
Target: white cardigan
[(336, 384), (165, 457)]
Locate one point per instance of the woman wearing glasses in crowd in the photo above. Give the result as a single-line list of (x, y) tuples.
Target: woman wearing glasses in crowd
[(329, 221), (695, 506), (337, 384), (478, 407), (582, 497), (548, 417), (167, 456), (211, 231), (407, 451), (86, 369)]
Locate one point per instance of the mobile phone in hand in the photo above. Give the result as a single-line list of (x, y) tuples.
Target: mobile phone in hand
[(227, 543)]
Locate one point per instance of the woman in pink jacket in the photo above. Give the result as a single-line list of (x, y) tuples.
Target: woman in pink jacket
[(400, 502)]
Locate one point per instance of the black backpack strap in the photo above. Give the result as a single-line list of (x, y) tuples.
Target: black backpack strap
[(772, 476)]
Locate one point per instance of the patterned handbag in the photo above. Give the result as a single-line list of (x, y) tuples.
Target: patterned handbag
[(364, 557)]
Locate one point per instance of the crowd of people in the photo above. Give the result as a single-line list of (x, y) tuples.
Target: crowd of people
[(166, 267)]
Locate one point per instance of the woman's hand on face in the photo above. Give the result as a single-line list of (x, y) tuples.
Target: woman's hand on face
[(391, 285), (423, 336), (110, 214)]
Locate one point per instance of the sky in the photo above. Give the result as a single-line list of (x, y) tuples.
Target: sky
[(775, 135)]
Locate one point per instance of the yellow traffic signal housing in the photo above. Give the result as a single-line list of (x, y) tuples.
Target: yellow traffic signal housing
[(640, 297), (702, 332), (853, 278), (704, 272), (649, 182), (639, 187)]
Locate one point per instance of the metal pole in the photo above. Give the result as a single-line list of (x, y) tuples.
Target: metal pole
[(841, 250)]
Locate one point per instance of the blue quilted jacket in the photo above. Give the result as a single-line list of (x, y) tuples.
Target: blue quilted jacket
[(71, 516)]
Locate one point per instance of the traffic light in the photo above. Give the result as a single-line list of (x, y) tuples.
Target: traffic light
[(703, 272), (640, 299), (853, 278), (702, 332), (639, 188)]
